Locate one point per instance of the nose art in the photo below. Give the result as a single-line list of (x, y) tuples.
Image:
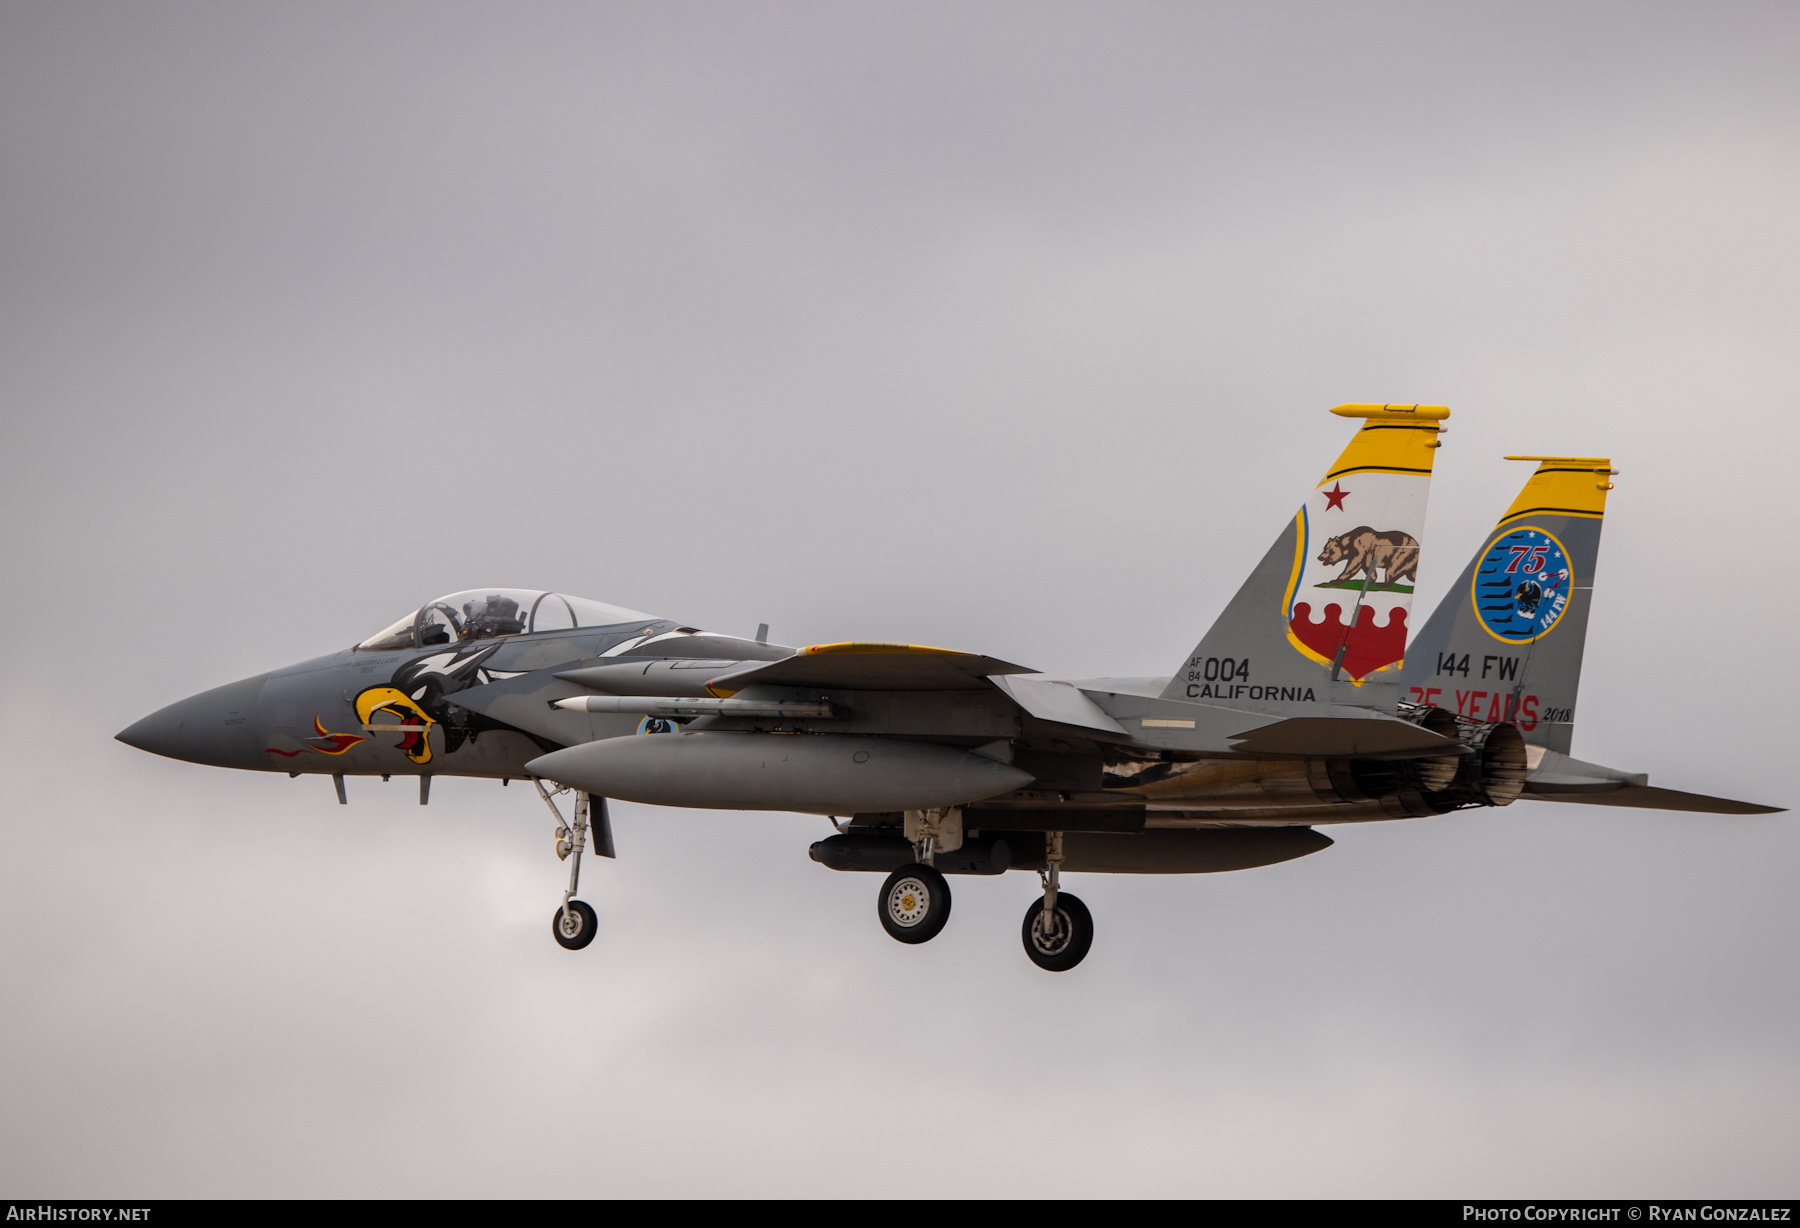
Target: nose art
[(216, 727)]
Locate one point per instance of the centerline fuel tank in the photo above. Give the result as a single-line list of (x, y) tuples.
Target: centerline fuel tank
[(808, 773)]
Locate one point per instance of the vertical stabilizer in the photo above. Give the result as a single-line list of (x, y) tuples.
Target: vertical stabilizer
[(1506, 642), (1322, 619)]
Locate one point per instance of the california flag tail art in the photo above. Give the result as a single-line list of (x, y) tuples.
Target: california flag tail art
[(1322, 620)]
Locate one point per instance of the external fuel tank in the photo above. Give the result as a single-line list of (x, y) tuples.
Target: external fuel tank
[(834, 774)]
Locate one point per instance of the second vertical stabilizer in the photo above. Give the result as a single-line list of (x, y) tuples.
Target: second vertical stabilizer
[(1505, 644)]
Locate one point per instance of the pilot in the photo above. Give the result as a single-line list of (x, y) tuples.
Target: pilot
[(497, 616)]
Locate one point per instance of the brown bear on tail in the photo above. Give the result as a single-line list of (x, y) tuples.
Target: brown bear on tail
[(1362, 550)]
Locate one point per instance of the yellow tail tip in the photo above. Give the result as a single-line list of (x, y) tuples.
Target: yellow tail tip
[(1438, 412), (1599, 464), (1566, 485)]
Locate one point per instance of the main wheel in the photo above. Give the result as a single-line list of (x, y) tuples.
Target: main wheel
[(914, 903), (576, 929), (1062, 945)]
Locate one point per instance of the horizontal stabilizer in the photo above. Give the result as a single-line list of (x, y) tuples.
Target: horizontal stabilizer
[(1318, 737), (1556, 773), (868, 667), (1558, 778), (1643, 797)]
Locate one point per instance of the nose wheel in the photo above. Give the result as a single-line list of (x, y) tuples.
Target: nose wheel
[(914, 903), (573, 925)]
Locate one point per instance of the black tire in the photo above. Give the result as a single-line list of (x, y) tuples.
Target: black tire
[(580, 929), (914, 903), (1068, 946)]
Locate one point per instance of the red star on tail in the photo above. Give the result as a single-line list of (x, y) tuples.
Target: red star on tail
[(1335, 496)]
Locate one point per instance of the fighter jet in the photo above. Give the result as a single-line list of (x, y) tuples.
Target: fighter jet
[(1301, 707)]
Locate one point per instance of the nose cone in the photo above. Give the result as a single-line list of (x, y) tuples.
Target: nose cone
[(216, 727)]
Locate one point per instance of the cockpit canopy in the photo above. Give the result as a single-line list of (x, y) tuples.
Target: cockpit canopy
[(487, 613)]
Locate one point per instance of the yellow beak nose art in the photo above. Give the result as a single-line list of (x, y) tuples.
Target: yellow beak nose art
[(408, 719)]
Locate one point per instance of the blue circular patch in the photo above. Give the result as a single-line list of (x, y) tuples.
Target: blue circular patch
[(1522, 585)]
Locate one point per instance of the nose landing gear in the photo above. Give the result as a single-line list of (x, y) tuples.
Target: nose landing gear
[(573, 924)]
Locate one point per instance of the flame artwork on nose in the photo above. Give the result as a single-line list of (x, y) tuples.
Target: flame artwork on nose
[(414, 724), (334, 743), (325, 742)]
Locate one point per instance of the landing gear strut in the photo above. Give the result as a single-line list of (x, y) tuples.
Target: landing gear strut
[(573, 924), (1058, 930)]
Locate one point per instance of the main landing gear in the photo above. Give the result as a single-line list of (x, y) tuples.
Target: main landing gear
[(915, 900), (914, 904), (573, 924), (1058, 930)]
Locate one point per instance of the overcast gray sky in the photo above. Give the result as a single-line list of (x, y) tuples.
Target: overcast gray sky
[(1007, 327)]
